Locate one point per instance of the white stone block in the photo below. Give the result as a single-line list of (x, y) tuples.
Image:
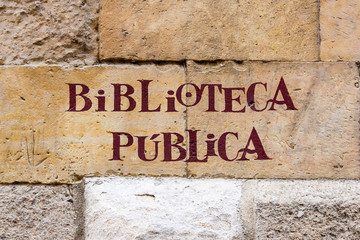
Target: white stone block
[(162, 208)]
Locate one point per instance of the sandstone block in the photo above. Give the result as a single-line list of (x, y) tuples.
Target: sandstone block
[(340, 31), (300, 120), (307, 210), (42, 141), (162, 208), (314, 135), (50, 31), (37, 212), (209, 30)]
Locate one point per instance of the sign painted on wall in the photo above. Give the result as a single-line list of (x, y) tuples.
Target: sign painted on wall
[(242, 120)]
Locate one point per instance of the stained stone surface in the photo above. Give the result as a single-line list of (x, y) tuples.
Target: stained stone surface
[(162, 208), (307, 210), (340, 30), (43, 142), (37, 212), (209, 30), (318, 140), (48, 31)]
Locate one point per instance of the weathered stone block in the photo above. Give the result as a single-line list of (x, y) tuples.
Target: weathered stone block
[(307, 210), (320, 139), (41, 141), (37, 212), (340, 31), (162, 208), (308, 128), (209, 30), (50, 31)]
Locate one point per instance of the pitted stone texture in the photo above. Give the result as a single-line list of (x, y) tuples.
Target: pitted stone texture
[(162, 208), (209, 30), (340, 30), (307, 210), (43, 142), (48, 31), (37, 212), (318, 140)]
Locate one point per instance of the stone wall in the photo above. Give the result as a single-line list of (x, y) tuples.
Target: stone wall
[(61, 176)]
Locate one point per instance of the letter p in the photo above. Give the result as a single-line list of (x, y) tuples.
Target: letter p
[(117, 145)]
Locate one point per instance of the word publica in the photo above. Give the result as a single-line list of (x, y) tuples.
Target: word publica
[(188, 95), (174, 141)]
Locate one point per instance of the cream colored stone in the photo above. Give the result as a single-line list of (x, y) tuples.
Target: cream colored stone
[(42, 142), (48, 31), (306, 209), (209, 30), (340, 31), (319, 140)]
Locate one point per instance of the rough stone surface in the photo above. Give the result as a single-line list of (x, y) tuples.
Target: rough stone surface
[(43, 142), (162, 208), (209, 30), (307, 210), (79, 206), (37, 212), (318, 140), (340, 30), (48, 31)]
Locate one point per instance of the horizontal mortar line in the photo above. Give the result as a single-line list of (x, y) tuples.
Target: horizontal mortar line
[(180, 63), (204, 61), (55, 184), (183, 177)]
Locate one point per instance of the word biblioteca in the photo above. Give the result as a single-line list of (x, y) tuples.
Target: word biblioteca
[(124, 99), (188, 95)]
